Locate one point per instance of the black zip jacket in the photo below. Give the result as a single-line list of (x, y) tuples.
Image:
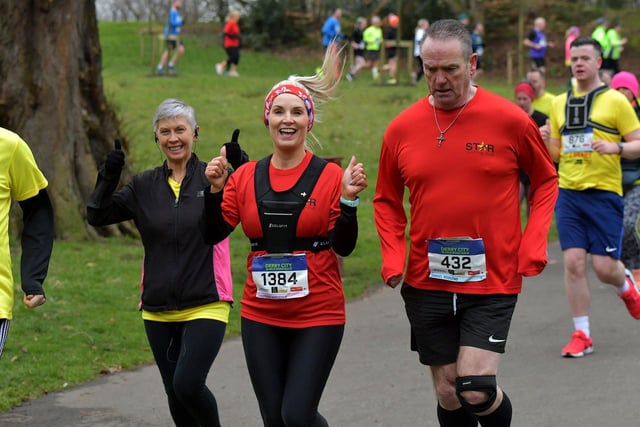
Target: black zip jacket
[(178, 268)]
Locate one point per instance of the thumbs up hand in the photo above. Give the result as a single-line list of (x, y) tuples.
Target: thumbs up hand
[(115, 160), (235, 155), (354, 179), (545, 131), (216, 171)]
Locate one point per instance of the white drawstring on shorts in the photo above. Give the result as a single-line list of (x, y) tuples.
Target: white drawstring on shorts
[(455, 305)]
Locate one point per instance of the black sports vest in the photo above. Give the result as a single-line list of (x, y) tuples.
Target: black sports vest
[(280, 210), (578, 112)]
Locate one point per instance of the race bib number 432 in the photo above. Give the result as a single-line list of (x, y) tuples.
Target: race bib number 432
[(460, 259)]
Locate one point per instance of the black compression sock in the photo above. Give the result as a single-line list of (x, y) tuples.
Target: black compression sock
[(458, 418), (501, 417)]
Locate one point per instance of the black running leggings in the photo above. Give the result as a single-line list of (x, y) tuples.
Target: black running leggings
[(289, 368), (184, 353)]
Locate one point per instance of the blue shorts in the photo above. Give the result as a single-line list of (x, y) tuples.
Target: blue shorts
[(591, 220)]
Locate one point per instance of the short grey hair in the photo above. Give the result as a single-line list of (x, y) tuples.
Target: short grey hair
[(172, 108), (445, 29)]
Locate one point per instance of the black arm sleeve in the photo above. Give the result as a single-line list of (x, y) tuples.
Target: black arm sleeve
[(345, 233), (101, 209), (36, 241), (212, 226)]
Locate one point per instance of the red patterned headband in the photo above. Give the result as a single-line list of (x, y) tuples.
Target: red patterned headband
[(292, 89), (525, 88)]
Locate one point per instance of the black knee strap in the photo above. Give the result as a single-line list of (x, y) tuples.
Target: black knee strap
[(483, 383)]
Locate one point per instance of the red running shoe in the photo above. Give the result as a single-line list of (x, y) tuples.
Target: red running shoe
[(580, 345), (631, 297)]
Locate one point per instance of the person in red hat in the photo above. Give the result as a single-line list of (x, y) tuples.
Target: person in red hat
[(627, 84), (524, 95)]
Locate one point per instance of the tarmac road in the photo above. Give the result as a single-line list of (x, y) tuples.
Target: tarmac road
[(377, 380)]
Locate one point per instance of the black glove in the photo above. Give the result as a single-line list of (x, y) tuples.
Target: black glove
[(235, 155), (115, 160)]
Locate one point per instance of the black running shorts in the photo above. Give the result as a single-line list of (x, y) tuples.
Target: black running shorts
[(441, 322)]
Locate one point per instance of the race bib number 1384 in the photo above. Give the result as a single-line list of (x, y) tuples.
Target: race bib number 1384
[(280, 276)]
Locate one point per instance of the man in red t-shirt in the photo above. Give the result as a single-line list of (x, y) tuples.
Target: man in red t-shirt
[(459, 152)]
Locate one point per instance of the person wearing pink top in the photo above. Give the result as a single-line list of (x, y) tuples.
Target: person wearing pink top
[(571, 34)]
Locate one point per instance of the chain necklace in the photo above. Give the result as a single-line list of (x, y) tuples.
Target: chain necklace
[(441, 137)]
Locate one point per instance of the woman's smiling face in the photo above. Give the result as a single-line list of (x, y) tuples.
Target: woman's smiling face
[(175, 138), (288, 121)]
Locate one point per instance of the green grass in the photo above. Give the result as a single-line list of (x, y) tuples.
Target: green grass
[(90, 324)]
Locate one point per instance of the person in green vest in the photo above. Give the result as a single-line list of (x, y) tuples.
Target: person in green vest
[(372, 38), (616, 45), (600, 34)]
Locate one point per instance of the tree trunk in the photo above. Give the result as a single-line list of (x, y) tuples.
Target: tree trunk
[(52, 95)]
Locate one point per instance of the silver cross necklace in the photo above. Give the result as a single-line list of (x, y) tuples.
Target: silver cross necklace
[(441, 137)]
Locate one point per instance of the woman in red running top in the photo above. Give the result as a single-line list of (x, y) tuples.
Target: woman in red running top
[(231, 44), (299, 212)]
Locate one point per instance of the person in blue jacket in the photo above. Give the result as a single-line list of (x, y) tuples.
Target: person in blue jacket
[(331, 30), (172, 37)]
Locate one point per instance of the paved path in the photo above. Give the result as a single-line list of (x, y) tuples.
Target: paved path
[(377, 381)]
